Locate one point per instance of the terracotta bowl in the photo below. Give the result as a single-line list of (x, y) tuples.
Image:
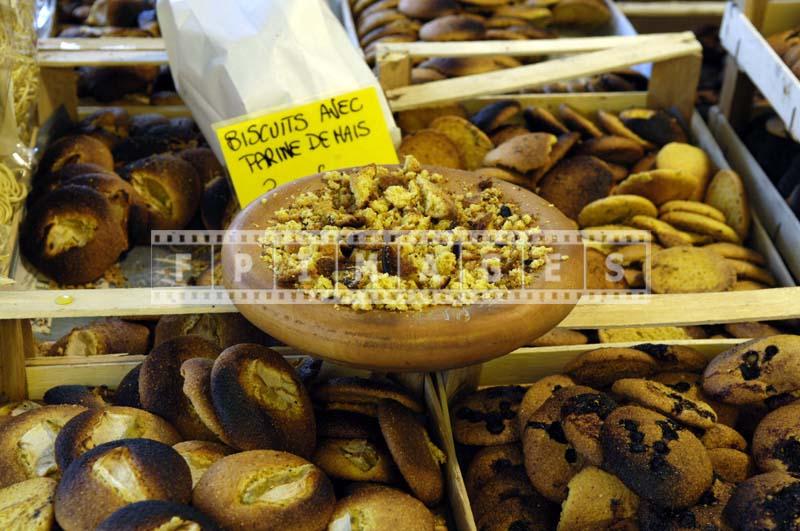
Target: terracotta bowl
[(436, 338)]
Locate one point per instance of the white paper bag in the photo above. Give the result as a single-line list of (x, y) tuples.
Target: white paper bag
[(235, 57)]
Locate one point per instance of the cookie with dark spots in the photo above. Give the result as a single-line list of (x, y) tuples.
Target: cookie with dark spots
[(550, 460), (503, 486), (602, 367), (517, 514), (597, 500), (656, 457), (537, 393), (582, 416), (722, 436), (754, 371), (490, 461), (674, 357), (488, 417), (765, 502), (776, 441), (666, 400), (706, 515), (691, 385)]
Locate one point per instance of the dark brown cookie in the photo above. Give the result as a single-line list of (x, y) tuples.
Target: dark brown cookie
[(664, 399), (766, 501), (755, 370), (337, 392), (675, 357), (655, 457), (488, 417), (691, 385), (776, 441), (490, 461), (602, 367), (516, 513), (706, 515), (503, 486), (337, 424), (412, 450), (537, 393), (582, 417), (730, 465), (157, 514), (550, 460)]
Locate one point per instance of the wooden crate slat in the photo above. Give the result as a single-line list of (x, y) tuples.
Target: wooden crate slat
[(514, 79), (111, 44), (763, 66), (672, 9), (69, 59)]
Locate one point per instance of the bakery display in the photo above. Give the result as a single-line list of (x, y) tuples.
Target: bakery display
[(222, 439), (638, 438)]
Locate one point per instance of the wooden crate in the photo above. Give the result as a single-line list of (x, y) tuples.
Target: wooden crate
[(661, 16), (753, 63), (523, 366)]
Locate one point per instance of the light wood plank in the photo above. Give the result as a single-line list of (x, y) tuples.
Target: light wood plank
[(16, 343), (514, 79), (112, 44), (670, 83), (561, 46), (394, 71), (168, 111), (58, 87), (70, 59), (672, 9)]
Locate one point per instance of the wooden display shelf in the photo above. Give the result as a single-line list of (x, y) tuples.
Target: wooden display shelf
[(679, 10), (753, 63), (523, 366)]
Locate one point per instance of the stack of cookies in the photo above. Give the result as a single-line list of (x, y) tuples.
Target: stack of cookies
[(649, 437), (468, 20), (198, 437), (104, 186), (624, 178)]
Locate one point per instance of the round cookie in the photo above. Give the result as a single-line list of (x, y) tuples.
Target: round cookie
[(265, 489), (701, 224), (776, 441), (582, 416), (80, 395), (615, 209), (260, 401), (471, 142), (655, 457), (381, 508), (127, 393), (766, 501), (537, 393), (696, 207), (28, 505), (351, 389), (751, 330), (691, 385), (431, 148), (602, 367), (707, 514), (597, 500), (157, 514), (196, 373), (27, 443), (748, 271), (736, 252), (668, 235), (730, 465), (550, 460), (115, 474), (411, 448), (638, 253), (659, 397), (347, 425), (754, 371), (722, 436), (690, 270), (613, 149), (355, 460), (200, 455), (99, 426), (689, 158), (659, 186), (490, 461), (674, 358), (160, 383), (488, 417), (503, 486), (517, 513)]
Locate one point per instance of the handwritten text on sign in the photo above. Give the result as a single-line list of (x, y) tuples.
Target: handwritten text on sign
[(266, 151)]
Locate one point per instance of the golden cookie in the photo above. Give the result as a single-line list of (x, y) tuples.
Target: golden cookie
[(614, 126), (659, 186), (667, 235), (690, 270), (736, 252), (577, 122), (727, 194), (615, 209), (616, 149), (748, 271), (691, 159), (431, 148), (695, 207), (701, 224), (413, 120), (471, 142), (522, 154)]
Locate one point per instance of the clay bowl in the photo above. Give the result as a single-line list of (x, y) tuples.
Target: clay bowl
[(436, 338)]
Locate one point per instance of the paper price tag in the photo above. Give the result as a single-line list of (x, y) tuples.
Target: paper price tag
[(267, 150)]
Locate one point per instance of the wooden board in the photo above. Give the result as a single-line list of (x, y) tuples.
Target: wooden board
[(780, 223), (105, 51), (683, 10), (765, 69)]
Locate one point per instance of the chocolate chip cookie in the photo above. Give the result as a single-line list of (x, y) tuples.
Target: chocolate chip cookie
[(766, 501), (488, 417), (602, 367), (665, 400), (776, 441)]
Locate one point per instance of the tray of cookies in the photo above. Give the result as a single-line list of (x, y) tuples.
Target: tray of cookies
[(216, 434), (687, 434)]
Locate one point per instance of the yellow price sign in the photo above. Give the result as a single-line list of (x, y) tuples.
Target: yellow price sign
[(267, 150)]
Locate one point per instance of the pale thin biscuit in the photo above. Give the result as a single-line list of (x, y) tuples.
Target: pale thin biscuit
[(667, 235), (695, 207), (701, 224), (615, 209), (523, 154)]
